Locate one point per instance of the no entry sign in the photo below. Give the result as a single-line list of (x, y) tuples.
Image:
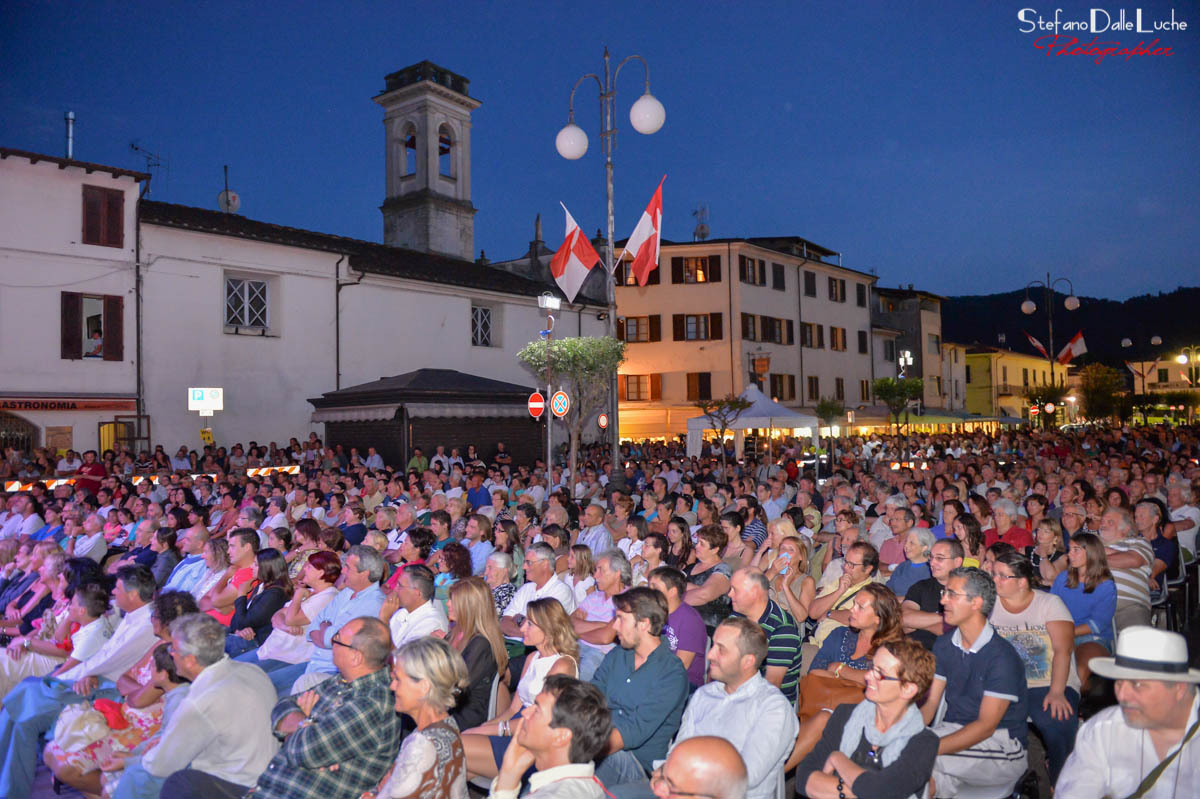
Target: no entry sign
[(560, 403), (537, 404)]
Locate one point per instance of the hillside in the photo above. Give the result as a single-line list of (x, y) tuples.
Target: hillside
[(1174, 316)]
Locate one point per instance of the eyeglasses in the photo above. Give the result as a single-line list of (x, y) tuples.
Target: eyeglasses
[(852, 563), (657, 778), (334, 640), (941, 557), (879, 675), (998, 576)]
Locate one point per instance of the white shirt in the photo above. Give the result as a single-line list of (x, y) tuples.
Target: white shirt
[(1187, 538), (11, 525), (423, 621), (278, 520), (89, 638), (282, 645), (32, 523), (572, 781), (374, 461), (91, 546), (741, 718), (131, 641), (222, 728), (554, 588), (65, 465), (1111, 759)]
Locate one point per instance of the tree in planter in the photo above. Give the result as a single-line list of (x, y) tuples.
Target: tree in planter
[(826, 411), (896, 394), (1040, 395), (1100, 387), (721, 414), (582, 367)]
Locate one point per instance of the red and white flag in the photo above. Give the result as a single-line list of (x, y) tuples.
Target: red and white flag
[(574, 259), (644, 240), (1074, 348), (1037, 345)]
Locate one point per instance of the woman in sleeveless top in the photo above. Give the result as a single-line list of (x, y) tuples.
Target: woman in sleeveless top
[(548, 629), (426, 679)]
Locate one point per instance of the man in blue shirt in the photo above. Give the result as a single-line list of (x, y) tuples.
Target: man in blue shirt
[(361, 597), (478, 496), (646, 687), (189, 572), (982, 678)]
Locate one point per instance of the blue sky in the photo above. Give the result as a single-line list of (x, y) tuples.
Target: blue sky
[(930, 142)]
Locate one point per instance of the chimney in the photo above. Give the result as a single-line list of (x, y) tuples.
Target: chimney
[(70, 134)]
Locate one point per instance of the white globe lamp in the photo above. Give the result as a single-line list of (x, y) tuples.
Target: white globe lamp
[(1028, 307), (1072, 302), (571, 142), (647, 115)]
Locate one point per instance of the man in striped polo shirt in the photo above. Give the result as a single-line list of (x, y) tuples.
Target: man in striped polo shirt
[(1130, 558), (750, 593)]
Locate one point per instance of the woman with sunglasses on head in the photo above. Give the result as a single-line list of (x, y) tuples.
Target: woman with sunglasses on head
[(1040, 627), (879, 747)]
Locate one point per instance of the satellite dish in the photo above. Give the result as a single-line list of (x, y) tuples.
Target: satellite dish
[(229, 202)]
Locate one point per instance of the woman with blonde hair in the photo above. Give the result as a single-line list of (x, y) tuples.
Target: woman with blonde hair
[(548, 629), (777, 531), (790, 580), (457, 508), (427, 676), (476, 636), (1046, 554), (580, 565)]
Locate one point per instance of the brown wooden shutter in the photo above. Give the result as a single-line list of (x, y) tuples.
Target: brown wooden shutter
[(676, 270), (791, 332), (622, 393), (655, 388), (620, 329), (114, 233), (762, 272), (716, 326), (820, 337), (655, 278), (71, 343), (705, 386), (693, 386), (114, 328), (714, 269), (655, 327), (679, 326), (742, 268), (93, 215)]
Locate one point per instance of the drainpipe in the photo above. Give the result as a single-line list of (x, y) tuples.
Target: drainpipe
[(337, 318), (137, 302), (734, 331)]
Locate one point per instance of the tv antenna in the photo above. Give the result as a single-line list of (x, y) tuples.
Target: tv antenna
[(153, 160), (228, 201), (701, 213)]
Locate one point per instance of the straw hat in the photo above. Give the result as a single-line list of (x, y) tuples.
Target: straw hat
[(1147, 653)]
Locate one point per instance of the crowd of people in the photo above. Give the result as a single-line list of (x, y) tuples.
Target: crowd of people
[(930, 615)]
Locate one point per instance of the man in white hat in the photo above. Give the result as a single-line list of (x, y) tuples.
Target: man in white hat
[(1148, 746)]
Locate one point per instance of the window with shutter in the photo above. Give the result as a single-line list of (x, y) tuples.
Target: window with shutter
[(742, 268), (637, 388), (114, 328), (92, 326), (716, 330), (678, 327), (820, 337), (676, 270), (814, 388), (699, 386), (810, 284), (714, 268), (71, 343), (864, 390), (762, 272), (696, 327), (862, 342), (839, 388), (791, 387), (655, 388), (637, 328), (655, 327), (748, 327), (777, 277), (860, 291), (103, 216), (791, 332)]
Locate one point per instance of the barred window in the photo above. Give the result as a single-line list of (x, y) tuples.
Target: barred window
[(246, 303), (481, 326)]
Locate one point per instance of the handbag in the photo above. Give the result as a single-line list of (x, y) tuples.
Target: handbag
[(823, 692), (79, 726)]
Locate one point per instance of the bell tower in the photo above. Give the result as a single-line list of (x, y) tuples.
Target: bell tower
[(427, 130)]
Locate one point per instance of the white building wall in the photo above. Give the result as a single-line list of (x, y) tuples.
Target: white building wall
[(954, 376), (827, 364), (42, 256), (882, 366)]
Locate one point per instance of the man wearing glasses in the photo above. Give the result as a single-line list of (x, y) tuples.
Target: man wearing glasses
[(349, 721), (923, 601), (981, 676)]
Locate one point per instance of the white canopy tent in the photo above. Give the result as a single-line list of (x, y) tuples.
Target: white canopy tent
[(764, 413)]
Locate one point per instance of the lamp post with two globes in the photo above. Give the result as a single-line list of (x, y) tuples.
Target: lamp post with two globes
[(1155, 341), (646, 116), (1029, 307)]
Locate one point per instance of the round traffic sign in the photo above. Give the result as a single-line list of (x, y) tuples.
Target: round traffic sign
[(1034, 411), (603, 421), (1050, 407), (560, 403), (537, 404)]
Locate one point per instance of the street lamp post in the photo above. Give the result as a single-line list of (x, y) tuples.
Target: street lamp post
[(646, 116), (1029, 307), (1155, 341)]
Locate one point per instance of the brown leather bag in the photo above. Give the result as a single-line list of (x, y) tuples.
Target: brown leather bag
[(823, 692)]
